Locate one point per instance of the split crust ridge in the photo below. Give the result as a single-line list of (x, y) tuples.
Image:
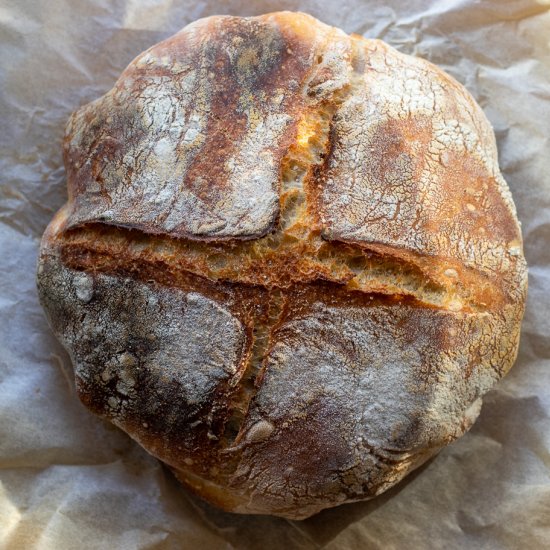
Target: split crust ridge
[(272, 201), (292, 255)]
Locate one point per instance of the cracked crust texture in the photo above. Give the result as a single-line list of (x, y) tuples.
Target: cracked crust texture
[(289, 266)]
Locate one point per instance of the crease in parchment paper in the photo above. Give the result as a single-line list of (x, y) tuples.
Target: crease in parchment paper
[(69, 480)]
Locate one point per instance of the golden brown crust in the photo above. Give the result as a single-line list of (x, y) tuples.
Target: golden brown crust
[(413, 168), (159, 152), (289, 266)]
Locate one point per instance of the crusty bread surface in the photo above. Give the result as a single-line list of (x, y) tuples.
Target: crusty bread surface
[(289, 266)]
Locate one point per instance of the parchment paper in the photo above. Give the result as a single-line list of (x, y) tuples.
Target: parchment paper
[(69, 480)]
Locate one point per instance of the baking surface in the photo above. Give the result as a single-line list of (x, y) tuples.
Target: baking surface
[(69, 480)]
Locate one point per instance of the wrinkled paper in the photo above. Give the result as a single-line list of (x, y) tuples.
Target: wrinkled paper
[(69, 480)]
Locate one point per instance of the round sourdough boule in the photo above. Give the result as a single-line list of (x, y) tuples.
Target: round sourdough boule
[(289, 266)]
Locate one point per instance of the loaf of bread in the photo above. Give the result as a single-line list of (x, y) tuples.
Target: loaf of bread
[(289, 266)]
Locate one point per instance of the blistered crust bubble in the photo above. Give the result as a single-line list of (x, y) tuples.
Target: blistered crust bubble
[(289, 266)]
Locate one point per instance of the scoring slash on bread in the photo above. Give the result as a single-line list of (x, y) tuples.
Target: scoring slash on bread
[(289, 266)]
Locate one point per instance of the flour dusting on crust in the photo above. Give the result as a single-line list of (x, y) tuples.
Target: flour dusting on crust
[(289, 266)]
